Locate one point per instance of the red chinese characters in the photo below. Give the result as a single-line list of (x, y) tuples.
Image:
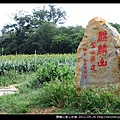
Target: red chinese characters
[(93, 68), (93, 45), (85, 64), (92, 59), (102, 62), (102, 36), (102, 48), (92, 52)]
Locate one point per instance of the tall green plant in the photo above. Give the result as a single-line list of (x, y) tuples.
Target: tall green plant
[(52, 71)]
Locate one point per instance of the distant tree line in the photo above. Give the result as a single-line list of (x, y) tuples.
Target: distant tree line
[(40, 32)]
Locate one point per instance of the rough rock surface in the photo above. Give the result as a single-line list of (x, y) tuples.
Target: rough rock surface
[(98, 55)]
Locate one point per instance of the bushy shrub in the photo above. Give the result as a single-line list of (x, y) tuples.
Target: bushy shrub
[(57, 93), (51, 71), (63, 94), (98, 101)]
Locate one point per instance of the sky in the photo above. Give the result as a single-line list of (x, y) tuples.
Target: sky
[(78, 13)]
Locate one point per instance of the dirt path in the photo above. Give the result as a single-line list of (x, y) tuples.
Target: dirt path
[(12, 89), (9, 90), (49, 110)]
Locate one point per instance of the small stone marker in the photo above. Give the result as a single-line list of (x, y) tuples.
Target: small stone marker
[(97, 56)]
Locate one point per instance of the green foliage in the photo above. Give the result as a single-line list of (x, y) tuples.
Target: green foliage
[(98, 101), (18, 66), (117, 26), (58, 89), (28, 63), (52, 71), (53, 14), (15, 103), (57, 93), (39, 31), (63, 95), (61, 43)]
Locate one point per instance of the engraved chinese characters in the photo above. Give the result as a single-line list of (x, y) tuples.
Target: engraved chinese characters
[(97, 55)]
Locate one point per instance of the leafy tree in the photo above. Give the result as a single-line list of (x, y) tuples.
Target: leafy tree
[(40, 32), (68, 37), (53, 14), (60, 43), (117, 26)]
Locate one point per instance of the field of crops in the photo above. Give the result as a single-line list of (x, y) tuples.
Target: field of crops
[(23, 64), (28, 63), (47, 81)]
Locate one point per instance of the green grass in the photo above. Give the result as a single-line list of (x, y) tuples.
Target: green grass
[(53, 85)]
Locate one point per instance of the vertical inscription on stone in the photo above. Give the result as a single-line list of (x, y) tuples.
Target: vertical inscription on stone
[(85, 64)]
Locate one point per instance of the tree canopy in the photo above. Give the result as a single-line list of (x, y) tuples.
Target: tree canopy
[(39, 31)]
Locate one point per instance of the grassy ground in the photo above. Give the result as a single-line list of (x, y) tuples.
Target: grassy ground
[(55, 97)]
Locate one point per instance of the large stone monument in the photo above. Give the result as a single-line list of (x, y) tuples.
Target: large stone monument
[(98, 56)]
